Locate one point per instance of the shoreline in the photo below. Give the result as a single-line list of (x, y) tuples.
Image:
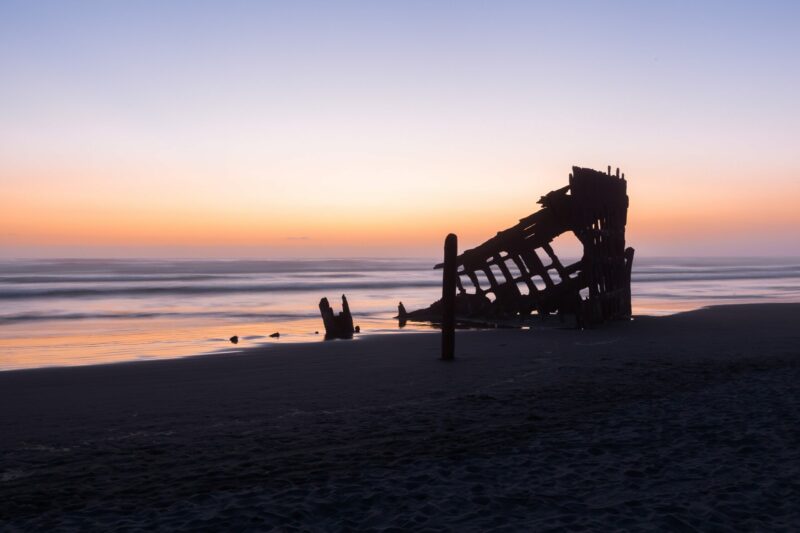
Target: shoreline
[(263, 348), (56, 313), (302, 347), (689, 420), (551, 323)]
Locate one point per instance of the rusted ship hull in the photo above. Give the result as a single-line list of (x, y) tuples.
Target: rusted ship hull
[(517, 273)]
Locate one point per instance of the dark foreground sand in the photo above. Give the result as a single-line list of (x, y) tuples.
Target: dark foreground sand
[(678, 423)]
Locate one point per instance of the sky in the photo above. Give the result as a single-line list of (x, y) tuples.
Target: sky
[(321, 129)]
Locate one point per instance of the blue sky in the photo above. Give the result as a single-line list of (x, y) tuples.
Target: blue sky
[(281, 111)]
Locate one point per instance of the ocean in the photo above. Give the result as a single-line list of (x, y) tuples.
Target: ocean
[(76, 312)]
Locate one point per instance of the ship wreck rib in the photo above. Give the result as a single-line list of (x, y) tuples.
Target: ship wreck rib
[(517, 273)]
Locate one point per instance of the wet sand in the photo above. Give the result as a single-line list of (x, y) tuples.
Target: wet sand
[(675, 423)]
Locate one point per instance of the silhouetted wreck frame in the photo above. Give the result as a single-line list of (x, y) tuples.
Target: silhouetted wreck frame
[(522, 274)]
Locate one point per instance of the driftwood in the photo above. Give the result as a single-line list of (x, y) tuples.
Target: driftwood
[(337, 326), (517, 273)]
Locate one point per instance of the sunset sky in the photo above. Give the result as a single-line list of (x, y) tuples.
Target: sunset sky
[(278, 129)]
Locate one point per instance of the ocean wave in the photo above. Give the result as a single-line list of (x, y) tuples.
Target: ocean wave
[(107, 288), (38, 317), (209, 267), (666, 296), (646, 276), (77, 278), (98, 288), (157, 278), (101, 292)]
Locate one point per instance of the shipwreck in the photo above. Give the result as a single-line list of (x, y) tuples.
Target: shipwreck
[(516, 274)]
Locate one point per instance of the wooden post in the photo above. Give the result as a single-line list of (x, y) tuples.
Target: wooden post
[(449, 297)]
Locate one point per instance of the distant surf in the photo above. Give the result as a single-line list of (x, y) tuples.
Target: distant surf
[(95, 310)]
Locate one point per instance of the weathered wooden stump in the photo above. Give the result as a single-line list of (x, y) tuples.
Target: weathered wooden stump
[(336, 326)]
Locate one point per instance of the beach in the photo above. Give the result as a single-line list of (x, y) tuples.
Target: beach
[(684, 422)]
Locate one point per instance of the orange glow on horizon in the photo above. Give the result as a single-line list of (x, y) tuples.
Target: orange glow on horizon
[(173, 213)]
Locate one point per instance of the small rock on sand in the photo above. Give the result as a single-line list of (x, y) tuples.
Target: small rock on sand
[(235, 339), (275, 335)]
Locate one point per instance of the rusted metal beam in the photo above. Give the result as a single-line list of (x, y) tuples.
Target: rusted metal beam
[(594, 208)]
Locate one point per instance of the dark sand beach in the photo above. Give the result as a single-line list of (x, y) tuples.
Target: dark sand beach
[(680, 423)]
